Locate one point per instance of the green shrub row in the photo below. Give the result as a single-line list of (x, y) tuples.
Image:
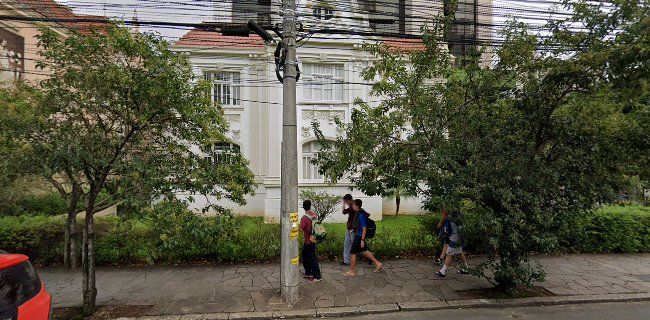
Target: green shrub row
[(612, 229), (48, 204), (172, 234)]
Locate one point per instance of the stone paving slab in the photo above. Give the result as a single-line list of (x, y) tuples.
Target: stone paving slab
[(247, 289)]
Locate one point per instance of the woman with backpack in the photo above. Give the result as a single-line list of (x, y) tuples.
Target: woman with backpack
[(309, 258), (359, 246)]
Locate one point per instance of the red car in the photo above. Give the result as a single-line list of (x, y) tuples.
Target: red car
[(22, 294)]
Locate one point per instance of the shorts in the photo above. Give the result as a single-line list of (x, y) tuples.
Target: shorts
[(452, 251), (356, 246)]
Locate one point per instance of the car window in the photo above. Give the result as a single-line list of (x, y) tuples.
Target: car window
[(18, 284)]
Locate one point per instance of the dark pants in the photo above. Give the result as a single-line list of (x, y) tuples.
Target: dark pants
[(310, 261)]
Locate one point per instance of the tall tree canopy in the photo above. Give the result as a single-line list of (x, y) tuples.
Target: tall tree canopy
[(123, 115), (540, 135)]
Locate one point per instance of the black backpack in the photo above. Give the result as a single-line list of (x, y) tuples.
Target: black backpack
[(371, 228)]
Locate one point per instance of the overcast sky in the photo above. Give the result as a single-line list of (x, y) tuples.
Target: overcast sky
[(196, 11)]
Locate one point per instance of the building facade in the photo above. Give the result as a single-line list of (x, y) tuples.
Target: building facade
[(242, 70), (18, 39)]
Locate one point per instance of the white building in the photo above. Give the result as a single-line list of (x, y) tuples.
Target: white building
[(243, 72)]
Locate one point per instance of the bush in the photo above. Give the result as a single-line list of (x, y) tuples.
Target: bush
[(170, 233), (622, 229), (39, 237), (48, 204)]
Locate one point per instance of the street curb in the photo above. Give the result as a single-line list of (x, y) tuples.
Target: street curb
[(409, 306)]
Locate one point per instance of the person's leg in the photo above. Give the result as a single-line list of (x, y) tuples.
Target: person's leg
[(372, 258), (305, 261), (315, 268), (347, 246), (463, 259), (463, 268), (353, 265), (448, 261)]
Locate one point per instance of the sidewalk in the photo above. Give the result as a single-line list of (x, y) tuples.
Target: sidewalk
[(254, 288)]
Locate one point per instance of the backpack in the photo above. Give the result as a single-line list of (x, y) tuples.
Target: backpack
[(371, 226), (317, 229)]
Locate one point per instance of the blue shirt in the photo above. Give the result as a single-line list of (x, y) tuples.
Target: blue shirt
[(362, 221)]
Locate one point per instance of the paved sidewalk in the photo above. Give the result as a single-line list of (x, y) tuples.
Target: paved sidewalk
[(248, 288)]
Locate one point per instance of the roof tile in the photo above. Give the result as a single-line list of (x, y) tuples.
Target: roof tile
[(200, 37)]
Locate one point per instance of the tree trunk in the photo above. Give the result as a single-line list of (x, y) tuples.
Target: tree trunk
[(70, 260), (398, 200), (88, 261)]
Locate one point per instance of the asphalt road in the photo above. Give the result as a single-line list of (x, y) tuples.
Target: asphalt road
[(609, 311)]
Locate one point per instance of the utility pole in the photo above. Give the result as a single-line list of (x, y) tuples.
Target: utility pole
[(289, 277)]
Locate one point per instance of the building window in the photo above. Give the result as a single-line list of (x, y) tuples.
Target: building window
[(462, 37), (310, 152), (321, 13), (222, 153), (322, 82), (225, 88)]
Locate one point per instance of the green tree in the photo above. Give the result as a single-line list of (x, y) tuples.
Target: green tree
[(28, 150), (541, 135), (126, 119)]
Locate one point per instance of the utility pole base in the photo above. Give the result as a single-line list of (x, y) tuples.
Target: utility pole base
[(290, 294)]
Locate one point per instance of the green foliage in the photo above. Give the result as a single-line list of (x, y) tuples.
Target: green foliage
[(171, 234), (323, 203), (36, 236), (171, 240), (184, 233), (48, 204), (534, 140), (611, 229)]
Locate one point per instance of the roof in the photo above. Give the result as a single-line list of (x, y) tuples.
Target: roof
[(208, 37), (8, 260), (203, 37), (54, 10), (404, 44)]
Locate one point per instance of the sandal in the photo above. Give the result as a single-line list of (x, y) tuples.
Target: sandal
[(348, 274), (379, 269)]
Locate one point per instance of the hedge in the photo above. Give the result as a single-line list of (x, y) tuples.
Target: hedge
[(173, 235), (141, 241)]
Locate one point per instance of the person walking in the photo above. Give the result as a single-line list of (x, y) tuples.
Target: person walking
[(359, 246), (442, 226), (455, 246), (309, 258), (349, 232)]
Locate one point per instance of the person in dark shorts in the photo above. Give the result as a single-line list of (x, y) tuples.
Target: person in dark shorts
[(309, 258), (349, 232), (359, 246)]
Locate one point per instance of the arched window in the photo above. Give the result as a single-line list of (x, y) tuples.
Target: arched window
[(222, 152), (310, 152)]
